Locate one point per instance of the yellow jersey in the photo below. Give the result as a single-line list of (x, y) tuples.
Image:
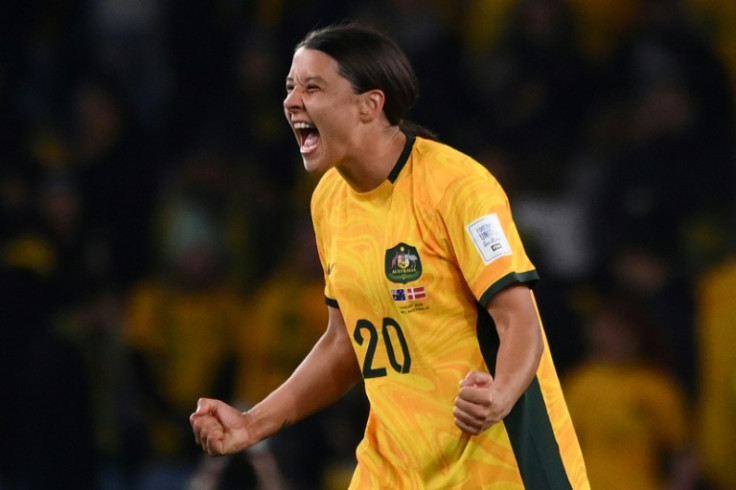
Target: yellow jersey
[(716, 427), (185, 338), (286, 317), (627, 416), (412, 265)]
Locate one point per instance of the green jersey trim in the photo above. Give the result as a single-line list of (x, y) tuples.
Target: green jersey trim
[(529, 278), (528, 424), (403, 158), (331, 302), (534, 443)]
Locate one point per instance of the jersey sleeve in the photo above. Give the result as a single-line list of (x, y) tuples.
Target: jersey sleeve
[(483, 237), (319, 208)]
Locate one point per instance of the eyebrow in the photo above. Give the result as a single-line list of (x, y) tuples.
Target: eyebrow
[(313, 78)]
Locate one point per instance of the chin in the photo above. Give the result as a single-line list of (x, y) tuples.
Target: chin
[(308, 166), (314, 165), (311, 167)]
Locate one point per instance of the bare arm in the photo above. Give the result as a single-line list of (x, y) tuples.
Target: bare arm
[(326, 374), (483, 400)]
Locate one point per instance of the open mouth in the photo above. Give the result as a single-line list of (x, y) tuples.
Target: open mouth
[(308, 137)]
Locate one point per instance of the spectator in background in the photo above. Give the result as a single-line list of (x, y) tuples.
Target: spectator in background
[(227, 197), (286, 317), (94, 324), (482, 24), (17, 189), (717, 20), (47, 233), (603, 25), (89, 311), (44, 49), (241, 126), (84, 263), (533, 86), (91, 189), (643, 274), (126, 45), (630, 413), (669, 177), (673, 171), (45, 414), (180, 326), (116, 178), (716, 338)]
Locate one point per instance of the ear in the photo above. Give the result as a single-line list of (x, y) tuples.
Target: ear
[(371, 104)]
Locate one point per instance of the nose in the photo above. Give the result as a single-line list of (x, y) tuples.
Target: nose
[(292, 101)]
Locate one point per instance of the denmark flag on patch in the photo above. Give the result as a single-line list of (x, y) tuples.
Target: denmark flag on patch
[(415, 293)]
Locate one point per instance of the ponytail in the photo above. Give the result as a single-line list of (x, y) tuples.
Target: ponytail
[(410, 128)]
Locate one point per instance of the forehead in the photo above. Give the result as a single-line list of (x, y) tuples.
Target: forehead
[(310, 63)]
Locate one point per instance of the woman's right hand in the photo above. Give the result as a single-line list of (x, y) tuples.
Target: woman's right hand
[(220, 428)]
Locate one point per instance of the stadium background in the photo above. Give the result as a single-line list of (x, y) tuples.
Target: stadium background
[(156, 245)]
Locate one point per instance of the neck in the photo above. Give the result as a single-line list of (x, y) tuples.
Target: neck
[(375, 160)]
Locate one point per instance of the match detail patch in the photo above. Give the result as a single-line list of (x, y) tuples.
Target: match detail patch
[(489, 238), (408, 294)]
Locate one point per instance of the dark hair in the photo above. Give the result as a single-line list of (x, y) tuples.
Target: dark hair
[(370, 60)]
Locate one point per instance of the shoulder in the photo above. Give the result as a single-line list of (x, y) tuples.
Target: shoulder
[(450, 174), (659, 381), (447, 165), (445, 156)]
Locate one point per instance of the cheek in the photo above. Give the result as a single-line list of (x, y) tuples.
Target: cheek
[(340, 124)]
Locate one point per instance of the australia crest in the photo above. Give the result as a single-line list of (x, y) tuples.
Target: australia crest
[(403, 264)]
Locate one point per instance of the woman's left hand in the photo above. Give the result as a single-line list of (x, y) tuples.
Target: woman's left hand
[(479, 404)]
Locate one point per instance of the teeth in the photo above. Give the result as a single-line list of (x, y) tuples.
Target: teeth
[(303, 125)]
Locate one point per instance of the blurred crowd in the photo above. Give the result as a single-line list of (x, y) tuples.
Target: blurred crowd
[(156, 246)]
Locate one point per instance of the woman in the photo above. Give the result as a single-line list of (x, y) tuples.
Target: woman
[(427, 286)]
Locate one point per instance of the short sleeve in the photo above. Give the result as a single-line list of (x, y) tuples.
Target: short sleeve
[(483, 236), (319, 220)]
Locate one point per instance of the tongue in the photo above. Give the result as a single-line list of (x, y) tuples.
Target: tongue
[(310, 142)]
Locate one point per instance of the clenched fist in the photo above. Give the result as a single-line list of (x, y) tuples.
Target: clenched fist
[(220, 428), (479, 403)]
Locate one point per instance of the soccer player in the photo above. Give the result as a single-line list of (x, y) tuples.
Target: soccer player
[(427, 288)]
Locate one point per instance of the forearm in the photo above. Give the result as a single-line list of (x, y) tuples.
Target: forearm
[(521, 346), (324, 376), (517, 361)]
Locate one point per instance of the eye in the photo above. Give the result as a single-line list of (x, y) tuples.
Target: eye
[(311, 88), (289, 87)]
